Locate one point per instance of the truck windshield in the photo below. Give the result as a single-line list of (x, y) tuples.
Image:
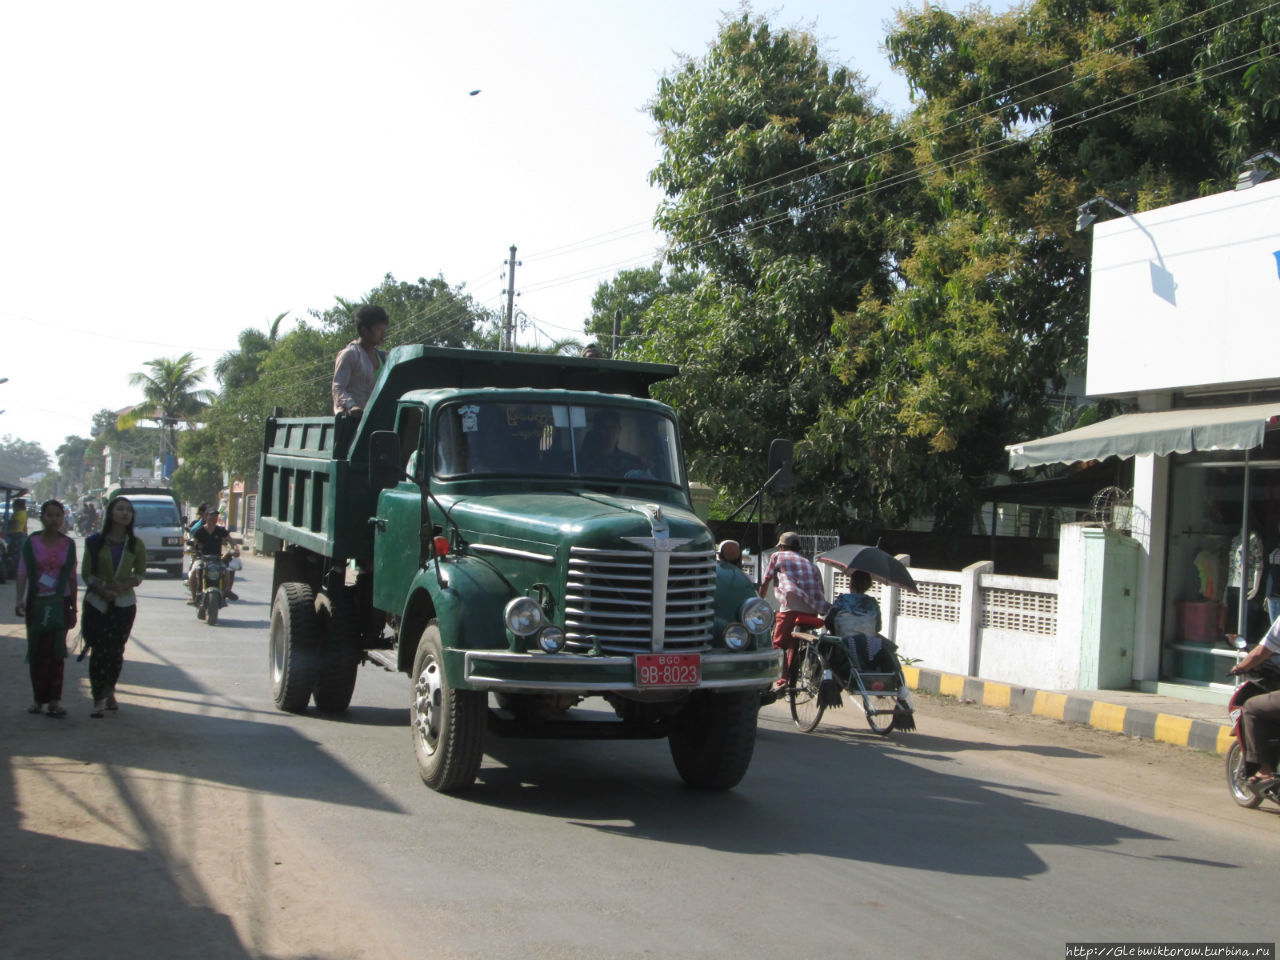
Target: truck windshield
[(503, 438)]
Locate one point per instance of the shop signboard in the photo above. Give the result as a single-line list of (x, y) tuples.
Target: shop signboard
[(1187, 296)]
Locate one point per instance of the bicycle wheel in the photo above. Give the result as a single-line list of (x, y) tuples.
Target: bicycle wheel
[(882, 723), (807, 673)]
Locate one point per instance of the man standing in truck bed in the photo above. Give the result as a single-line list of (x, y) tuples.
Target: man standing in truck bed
[(356, 368)]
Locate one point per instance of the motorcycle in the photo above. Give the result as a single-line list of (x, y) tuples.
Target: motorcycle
[(212, 596), (1263, 680)]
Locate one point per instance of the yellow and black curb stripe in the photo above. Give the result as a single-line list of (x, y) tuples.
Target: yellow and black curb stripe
[(1075, 708)]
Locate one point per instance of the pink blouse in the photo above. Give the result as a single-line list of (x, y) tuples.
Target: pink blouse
[(49, 561)]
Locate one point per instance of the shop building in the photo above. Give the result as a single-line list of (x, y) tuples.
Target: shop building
[(1185, 323)]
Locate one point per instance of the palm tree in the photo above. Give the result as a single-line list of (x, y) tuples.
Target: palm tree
[(238, 368), (170, 396)]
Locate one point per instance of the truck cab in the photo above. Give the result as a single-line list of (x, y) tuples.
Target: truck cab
[(515, 533)]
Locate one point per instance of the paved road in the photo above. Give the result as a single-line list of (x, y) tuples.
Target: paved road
[(202, 822)]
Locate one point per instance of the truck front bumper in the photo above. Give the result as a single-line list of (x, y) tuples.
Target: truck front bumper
[(582, 674)]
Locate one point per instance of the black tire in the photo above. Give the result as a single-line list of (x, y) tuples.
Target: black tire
[(447, 725), (1240, 791), (715, 738), (174, 572), (293, 646), (882, 723), (339, 657), (806, 682), (212, 607)]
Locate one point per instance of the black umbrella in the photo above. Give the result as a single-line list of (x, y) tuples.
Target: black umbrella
[(872, 560)]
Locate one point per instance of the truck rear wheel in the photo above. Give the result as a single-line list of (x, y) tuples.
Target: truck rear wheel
[(715, 738), (447, 725), (293, 646), (339, 657)]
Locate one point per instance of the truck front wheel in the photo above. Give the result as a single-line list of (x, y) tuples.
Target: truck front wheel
[(447, 725), (293, 646), (714, 739)]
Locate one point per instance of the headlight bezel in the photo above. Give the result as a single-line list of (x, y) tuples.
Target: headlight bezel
[(737, 637), (756, 610), (547, 639), (523, 616)]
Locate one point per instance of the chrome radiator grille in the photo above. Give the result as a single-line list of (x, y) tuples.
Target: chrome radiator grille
[(612, 595)]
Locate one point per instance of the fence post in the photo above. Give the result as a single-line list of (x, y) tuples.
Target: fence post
[(971, 609), (889, 605)]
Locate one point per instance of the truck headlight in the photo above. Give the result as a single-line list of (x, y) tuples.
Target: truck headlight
[(523, 616), (736, 637), (756, 614), (551, 639)]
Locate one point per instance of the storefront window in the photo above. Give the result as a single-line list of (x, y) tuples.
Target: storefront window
[(1224, 531)]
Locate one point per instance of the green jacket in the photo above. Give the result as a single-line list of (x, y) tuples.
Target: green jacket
[(133, 563)]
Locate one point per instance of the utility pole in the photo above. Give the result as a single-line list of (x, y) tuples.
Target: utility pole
[(509, 330), (617, 329)]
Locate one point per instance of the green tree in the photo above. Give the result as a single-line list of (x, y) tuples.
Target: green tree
[(428, 311), (238, 368), (900, 296), (774, 168), (1021, 117), (131, 446), (71, 463), (199, 477), (631, 293), (20, 458), (171, 395)]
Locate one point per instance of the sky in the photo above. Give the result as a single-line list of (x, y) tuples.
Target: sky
[(174, 173)]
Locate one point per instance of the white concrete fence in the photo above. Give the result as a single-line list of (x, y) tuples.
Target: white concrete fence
[(1026, 631)]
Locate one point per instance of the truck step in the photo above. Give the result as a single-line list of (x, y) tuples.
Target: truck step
[(383, 658)]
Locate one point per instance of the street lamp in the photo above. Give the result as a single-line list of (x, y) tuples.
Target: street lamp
[(1085, 214), (1252, 174)]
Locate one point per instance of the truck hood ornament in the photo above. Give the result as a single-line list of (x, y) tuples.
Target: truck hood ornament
[(661, 541)]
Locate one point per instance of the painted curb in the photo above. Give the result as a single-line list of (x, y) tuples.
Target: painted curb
[(1075, 708)]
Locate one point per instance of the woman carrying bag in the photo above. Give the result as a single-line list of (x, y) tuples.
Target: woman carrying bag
[(114, 563), (47, 603)]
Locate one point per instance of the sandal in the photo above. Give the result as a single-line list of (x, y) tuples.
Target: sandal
[(35, 708), (57, 712), (1261, 781), (111, 704)]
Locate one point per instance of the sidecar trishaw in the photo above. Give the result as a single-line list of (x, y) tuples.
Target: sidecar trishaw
[(826, 665), (850, 656)]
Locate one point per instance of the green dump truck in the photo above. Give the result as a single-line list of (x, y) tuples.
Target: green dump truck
[(514, 532)]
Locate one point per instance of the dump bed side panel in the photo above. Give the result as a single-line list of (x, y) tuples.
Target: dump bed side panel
[(304, 478)]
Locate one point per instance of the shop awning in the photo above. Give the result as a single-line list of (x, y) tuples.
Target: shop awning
[(1163, 432)]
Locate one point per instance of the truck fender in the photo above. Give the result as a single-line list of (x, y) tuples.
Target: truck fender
[(467, 609)]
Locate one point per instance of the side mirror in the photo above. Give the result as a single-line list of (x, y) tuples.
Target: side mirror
[(384, 459), (780, 454)]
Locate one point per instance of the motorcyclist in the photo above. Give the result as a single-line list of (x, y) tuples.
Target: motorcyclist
[(193, 575), (1260, 716), (212, 539)]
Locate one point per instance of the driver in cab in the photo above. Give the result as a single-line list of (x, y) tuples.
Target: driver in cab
[(601, 455)]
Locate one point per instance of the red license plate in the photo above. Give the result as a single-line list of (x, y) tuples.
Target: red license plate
[(668, 669)]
